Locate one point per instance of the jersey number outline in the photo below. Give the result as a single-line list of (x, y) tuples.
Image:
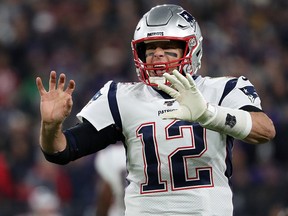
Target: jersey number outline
[(179, 167)]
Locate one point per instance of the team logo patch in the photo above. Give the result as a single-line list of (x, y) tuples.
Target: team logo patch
[(230, 120), (189, 18), (250, 92)]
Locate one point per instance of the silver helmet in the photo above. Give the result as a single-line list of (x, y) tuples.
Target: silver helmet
[(168, 22)]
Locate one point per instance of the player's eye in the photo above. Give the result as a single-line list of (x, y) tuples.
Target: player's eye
[(167, 53), (149, 54), (172, 54)]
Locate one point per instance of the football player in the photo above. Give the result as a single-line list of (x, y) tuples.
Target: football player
[(177, 126)]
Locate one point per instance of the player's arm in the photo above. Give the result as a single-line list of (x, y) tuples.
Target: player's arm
[(55, 106), (262, 129), (83, 139), (252, 127)]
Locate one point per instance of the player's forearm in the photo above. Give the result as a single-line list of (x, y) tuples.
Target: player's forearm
[(262, 129), (251, 127), (52, 140)]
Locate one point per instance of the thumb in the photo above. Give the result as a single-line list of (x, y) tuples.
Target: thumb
[(183, 113), (171, 115)]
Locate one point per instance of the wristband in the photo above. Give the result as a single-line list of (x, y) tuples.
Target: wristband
[(236, 123)]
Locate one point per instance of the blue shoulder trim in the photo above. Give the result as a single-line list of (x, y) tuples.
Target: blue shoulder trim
[(230, 85), (114, 105)]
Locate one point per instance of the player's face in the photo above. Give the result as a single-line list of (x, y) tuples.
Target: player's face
[(159, 53)]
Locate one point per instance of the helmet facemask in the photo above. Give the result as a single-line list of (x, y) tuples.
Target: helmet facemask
[(184, 64)]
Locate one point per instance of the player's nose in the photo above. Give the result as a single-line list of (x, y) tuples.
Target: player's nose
[(159, 52)]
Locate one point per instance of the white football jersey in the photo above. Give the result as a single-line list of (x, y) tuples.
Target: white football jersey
[(174, 167), (110, 163)]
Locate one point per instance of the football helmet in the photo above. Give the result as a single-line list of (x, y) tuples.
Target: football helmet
[(165, 23)]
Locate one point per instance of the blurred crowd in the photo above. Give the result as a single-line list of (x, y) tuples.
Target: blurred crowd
[(89, 40)]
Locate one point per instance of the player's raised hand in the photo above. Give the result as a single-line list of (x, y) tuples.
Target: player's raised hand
[(192, 103), (56, 103)]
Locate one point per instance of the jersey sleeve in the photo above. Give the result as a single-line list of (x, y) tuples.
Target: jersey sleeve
[(243, 94), (97, 111)]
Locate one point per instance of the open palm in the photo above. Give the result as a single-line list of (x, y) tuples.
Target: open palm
[(56, 103)]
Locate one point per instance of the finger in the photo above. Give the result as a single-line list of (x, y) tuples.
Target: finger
[(191, 81), (61, 81), (170, 91), (71, 87), (52, 81), (40, 86), (174, 81), (182, 79), (69, 103)]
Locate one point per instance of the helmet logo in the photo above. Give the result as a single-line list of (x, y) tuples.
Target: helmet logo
[(188, 17), (150, 34)]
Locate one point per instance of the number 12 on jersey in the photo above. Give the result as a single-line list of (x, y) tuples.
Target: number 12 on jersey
[(178, 165)]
